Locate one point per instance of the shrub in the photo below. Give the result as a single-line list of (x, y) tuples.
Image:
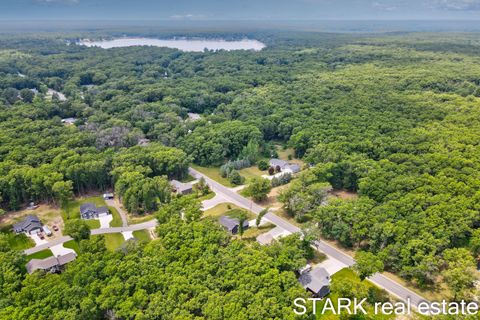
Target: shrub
[(263, 165), (235, 178)]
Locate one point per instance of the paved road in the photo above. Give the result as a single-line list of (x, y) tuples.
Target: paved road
[(134, 227), (47, 245), (389, 285)]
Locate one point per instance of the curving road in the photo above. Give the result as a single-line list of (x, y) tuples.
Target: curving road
[(380, 280)]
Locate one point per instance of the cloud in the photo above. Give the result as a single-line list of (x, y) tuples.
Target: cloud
[(188, 16), (384, 6), (456, 5)]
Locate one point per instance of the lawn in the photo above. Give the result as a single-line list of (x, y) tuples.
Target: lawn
[(49, 215), (228, 209), (74, 210), (251, 234), (252, 172), (72, 244), (142, 235), (117, 219), (352, 278), (19, 241), (213, 173), (40, 255), (113, 241), (134, 219)]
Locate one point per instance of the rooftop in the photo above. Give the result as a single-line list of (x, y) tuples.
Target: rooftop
[(315, 279)]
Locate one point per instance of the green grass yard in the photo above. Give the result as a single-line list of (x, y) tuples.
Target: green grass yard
[(18, 241), (252, 172), (228, 209), (142, 235), (352, 278), (113, 241), (74, 210), (117, 219), (40, 255), (213, 173), (72, 244)]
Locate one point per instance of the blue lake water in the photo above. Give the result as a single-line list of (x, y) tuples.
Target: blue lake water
[(193, 45)]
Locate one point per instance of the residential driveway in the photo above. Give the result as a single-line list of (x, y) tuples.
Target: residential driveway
[(105, 221), (37, 239), (332, 265), (128, 235), (114, 203), (253, 223), (210, 203), (60, 250)]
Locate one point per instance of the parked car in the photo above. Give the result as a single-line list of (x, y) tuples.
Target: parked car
[(41, 236), (55, 228)]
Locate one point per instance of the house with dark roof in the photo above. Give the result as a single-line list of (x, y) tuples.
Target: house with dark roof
[(317, 281), (90, 211), (180, 187), (30, 225), (50, 264), (231, 224), (285, 166)]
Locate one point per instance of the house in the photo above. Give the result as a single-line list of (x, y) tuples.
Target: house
[(232, 225), (90, 211), (285, 166), (69, 121), (51, 264), (30, 225), (317, 281), (193, 116), (180, 187), (143, 142), (108, 196)]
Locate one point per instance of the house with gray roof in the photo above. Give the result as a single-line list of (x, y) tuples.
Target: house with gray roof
[(30, 225), (231, 224), (317, 281), (180, 187), (285, 166), (90, 211), (50, 264)]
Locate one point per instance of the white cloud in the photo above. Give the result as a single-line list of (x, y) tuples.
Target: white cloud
[(456, 5), (188, 16), (384, 6)]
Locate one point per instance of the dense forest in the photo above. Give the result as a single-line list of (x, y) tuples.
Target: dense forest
[(395, 118)]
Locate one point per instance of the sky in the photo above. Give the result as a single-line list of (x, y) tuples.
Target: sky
[(239, 9)]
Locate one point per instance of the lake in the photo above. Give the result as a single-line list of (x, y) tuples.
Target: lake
[(193, 45)]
